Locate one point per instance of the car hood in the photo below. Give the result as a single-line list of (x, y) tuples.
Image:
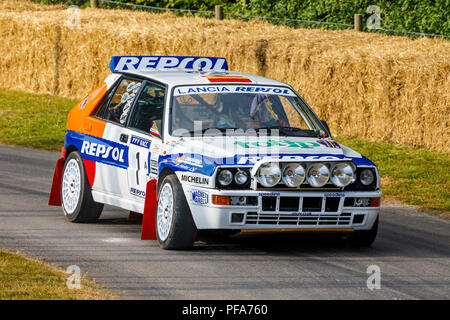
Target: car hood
[(198, 154)]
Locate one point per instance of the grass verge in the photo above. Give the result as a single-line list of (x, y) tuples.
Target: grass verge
[(23, 278), (413, 176), (33, 120)]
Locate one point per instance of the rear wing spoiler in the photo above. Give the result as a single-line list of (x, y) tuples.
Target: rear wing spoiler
[(151, 63)]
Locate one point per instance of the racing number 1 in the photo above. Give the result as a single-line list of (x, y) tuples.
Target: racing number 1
[(138, 168)]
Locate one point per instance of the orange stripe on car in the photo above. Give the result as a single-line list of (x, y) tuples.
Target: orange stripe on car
[(80, 119)]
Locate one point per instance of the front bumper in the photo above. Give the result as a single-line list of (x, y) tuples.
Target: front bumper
[(315, 210)]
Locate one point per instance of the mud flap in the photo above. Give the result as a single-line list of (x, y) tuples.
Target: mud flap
[(149, 219), (55, 192)]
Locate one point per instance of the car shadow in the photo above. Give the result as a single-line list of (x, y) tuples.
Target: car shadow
[(392, 240)]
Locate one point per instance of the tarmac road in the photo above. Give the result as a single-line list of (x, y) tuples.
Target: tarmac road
[(412, 251)]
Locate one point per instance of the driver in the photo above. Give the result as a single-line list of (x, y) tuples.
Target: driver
[(224, 118), (233, 111)]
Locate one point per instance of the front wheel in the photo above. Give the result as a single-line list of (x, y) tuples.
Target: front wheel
[(77, 202), (175, 228)]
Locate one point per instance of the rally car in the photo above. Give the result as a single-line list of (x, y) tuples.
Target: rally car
[(194, 147)]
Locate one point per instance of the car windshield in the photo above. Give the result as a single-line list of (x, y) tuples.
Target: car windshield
[(225, 107)]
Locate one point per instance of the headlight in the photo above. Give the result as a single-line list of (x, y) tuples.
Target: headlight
[(269, 174), (342, 174), (366, 177), (225, 177), (318, 174), (241, 177), (293, 175)]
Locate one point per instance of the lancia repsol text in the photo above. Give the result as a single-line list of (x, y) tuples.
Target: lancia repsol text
[(193, 179)]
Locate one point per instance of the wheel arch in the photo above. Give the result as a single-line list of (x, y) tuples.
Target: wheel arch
[(69, 150), (164, 173), (89, 165)]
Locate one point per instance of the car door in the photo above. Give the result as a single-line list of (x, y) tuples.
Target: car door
[(111, 178), (145, 141)]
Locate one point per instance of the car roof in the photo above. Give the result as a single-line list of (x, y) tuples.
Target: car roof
[(173, 77)]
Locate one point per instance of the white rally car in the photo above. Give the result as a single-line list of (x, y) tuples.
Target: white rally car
[(224, 151)]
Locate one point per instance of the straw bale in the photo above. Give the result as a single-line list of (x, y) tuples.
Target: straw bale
[(373, 86)]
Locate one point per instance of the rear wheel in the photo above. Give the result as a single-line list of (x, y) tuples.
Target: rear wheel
[(175, 228), (76, 197), (364, 238)]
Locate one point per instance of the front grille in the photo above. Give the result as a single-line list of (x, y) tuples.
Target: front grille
[(254, 218), (289, 204), (299, 211), (300, 204), (312, 204), (269, 203)]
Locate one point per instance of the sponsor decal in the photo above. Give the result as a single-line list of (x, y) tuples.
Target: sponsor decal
[(334, 194), (232, 89), (137, 192), (186, 167), (274, 143), (254, 159), (154, 130), (268, 194), (199, 197), (105, 151), (330, 144), (156, 148), (188, 160), (140, 142), (194, 179), (180, 159), (149, 63), (303, 213), (153, 167)]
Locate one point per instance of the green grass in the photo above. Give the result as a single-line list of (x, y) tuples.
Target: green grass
[(31, 120), (22, 278), (413, 176)]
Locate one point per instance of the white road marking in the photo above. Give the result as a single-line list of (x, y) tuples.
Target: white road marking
[(115, 240)]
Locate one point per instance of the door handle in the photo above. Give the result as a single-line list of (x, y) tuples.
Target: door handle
[(123, 138)]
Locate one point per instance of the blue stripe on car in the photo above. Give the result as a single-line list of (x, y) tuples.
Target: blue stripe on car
[(98, 149)]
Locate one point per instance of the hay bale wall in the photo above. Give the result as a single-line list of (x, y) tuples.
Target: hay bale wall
[(372, 86)]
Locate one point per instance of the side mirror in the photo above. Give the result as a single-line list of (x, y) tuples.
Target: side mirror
[(324, 123)]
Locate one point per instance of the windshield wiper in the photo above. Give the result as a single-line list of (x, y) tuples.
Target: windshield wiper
[(292, 131), (222, 130), (286, 131)]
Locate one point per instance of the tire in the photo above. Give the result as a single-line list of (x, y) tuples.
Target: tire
[(76, 197), (175, 228), (364, 238)]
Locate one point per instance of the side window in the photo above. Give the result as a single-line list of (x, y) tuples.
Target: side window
[(149, 107), (120, 104)]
